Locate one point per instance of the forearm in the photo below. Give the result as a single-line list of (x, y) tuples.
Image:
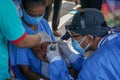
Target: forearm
[(29, 41)]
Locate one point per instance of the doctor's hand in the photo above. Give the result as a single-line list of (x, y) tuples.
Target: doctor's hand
[(63, 46), (53, 52), (44, 37), (67, 53)]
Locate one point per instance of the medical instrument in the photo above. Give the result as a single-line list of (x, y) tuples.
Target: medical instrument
[(53, 46), (67, 35)]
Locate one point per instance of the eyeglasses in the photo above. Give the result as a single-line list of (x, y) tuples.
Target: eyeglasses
[(73, 35), (77, 35)]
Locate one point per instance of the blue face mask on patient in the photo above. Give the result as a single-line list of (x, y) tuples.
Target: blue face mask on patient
[(77, 47), (32, 20)]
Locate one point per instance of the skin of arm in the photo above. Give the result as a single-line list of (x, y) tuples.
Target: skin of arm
[(29, 41), (29, 74)]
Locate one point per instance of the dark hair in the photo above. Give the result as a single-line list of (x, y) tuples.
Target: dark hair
[(30, 3)]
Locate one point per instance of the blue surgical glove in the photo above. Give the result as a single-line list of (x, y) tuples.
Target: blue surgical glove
[(68, 54), (53, 53)]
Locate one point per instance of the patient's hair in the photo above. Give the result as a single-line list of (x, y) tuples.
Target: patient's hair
[(31, 3)]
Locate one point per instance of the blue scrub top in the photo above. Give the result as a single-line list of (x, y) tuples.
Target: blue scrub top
[(11, 29), (24, 56), (104, 63)]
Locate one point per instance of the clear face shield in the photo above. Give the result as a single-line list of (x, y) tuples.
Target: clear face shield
[(77, 44)]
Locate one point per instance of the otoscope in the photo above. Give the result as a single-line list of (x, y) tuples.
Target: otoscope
[(67, 35)]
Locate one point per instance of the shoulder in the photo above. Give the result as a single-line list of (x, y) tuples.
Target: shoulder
[(44, 23), (44, 20), (108, 38), (7, 10), (7, 6), (10, 21)]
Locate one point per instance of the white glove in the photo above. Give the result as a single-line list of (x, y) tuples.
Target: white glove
[(71, 56), (53, 53), (44, 37)]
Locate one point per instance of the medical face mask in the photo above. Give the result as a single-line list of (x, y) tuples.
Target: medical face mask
[(32, 20), (81, 41), (77, 47)]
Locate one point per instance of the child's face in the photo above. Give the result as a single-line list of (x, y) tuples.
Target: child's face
[(40, 50)]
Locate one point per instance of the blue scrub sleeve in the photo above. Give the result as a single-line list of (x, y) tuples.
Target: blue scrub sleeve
[(59, 71), (77, 64)]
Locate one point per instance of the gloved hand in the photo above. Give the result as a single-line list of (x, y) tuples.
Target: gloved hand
[(53, 53), (71, 56), (44, 37)]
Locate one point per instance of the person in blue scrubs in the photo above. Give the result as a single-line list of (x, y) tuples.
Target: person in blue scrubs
[(25, 63), (102, 64)]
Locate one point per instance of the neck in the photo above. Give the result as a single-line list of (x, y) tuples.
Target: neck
[(34, 27)]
